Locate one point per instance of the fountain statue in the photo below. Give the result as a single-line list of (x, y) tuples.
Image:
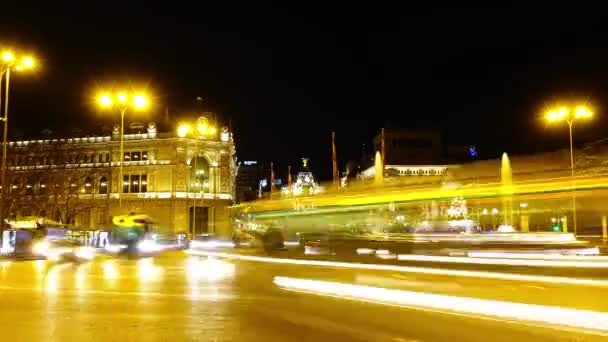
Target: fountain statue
[(379, 177), (506, 190)]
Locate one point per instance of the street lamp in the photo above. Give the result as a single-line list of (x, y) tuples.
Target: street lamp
[(9, 61), (570, 115), (122, 101), (201, 130)]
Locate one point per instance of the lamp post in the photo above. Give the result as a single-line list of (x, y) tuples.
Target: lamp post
[(203, 131), (9, 61), (123, 101), (570, 115)]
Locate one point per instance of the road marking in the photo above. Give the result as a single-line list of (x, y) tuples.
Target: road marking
[(409, 269), (507, 262), (573, 318)]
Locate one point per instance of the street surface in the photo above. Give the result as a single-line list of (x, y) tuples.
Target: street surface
[(179, 297)]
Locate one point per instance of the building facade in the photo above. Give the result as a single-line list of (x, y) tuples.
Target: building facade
[(185, 182)]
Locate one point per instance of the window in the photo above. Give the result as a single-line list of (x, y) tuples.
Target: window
[(85, 159), (134, 183), (100, 158), (103, 185), (125, 183), (42, 188), (199, 175), (107, 157), (102, 216), (88, 185), (29, 188), (144, 183), (136, 156)]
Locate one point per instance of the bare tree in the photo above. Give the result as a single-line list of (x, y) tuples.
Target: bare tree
[(46, 180)]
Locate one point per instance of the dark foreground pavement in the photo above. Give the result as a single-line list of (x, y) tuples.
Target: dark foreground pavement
[(177, 297)]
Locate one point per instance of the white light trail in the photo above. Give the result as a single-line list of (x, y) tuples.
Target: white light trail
[(410, 269), (504, 261), (543, 256), (574, 318)]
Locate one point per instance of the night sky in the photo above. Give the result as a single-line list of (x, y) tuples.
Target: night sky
[(285, 77)]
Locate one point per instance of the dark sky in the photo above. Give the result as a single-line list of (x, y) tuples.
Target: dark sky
[(285, 77)]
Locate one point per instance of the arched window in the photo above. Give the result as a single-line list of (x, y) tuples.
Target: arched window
[(199, 175), (88, 185), (103, 185)]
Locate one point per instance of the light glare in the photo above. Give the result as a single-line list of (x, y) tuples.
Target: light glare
[(28, 62), (183, 130), (8, 56), (105, 100), (140, 101)]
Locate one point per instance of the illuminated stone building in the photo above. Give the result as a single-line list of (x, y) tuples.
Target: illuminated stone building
[(185, 181)]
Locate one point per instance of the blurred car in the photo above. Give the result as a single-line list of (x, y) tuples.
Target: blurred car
[(59, 249)]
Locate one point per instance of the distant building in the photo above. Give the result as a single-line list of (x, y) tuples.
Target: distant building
[(185, 183), (248, 177), (410, 147), (417, 153), (421, 147), (406, 170)]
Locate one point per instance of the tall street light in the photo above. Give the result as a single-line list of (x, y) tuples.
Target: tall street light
[(201, 131), (9, 61), (122, 101), (570, 115)]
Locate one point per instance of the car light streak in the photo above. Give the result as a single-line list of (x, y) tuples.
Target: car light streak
[(504, 262), (551, 315), (410, 269)]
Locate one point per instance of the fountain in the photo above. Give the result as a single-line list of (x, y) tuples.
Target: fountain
[(379, 177), (506, 180)]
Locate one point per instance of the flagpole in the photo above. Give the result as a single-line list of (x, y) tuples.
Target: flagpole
[(334, 161), (271, 178), (289, 179)]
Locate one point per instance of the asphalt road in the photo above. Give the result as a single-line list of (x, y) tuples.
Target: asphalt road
[(176, 297)]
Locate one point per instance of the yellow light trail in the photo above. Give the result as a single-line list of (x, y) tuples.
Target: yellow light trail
[(372, 197), (551, 315)]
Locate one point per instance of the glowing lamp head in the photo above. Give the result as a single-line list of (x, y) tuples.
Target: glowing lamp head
[(19, 67), (212, 130), (105, 100), (140, 101), (8, 56), (122, 97), (183, 130), (202, 128), (28, 62), (552, 116), (562, 112), (582, 112)]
